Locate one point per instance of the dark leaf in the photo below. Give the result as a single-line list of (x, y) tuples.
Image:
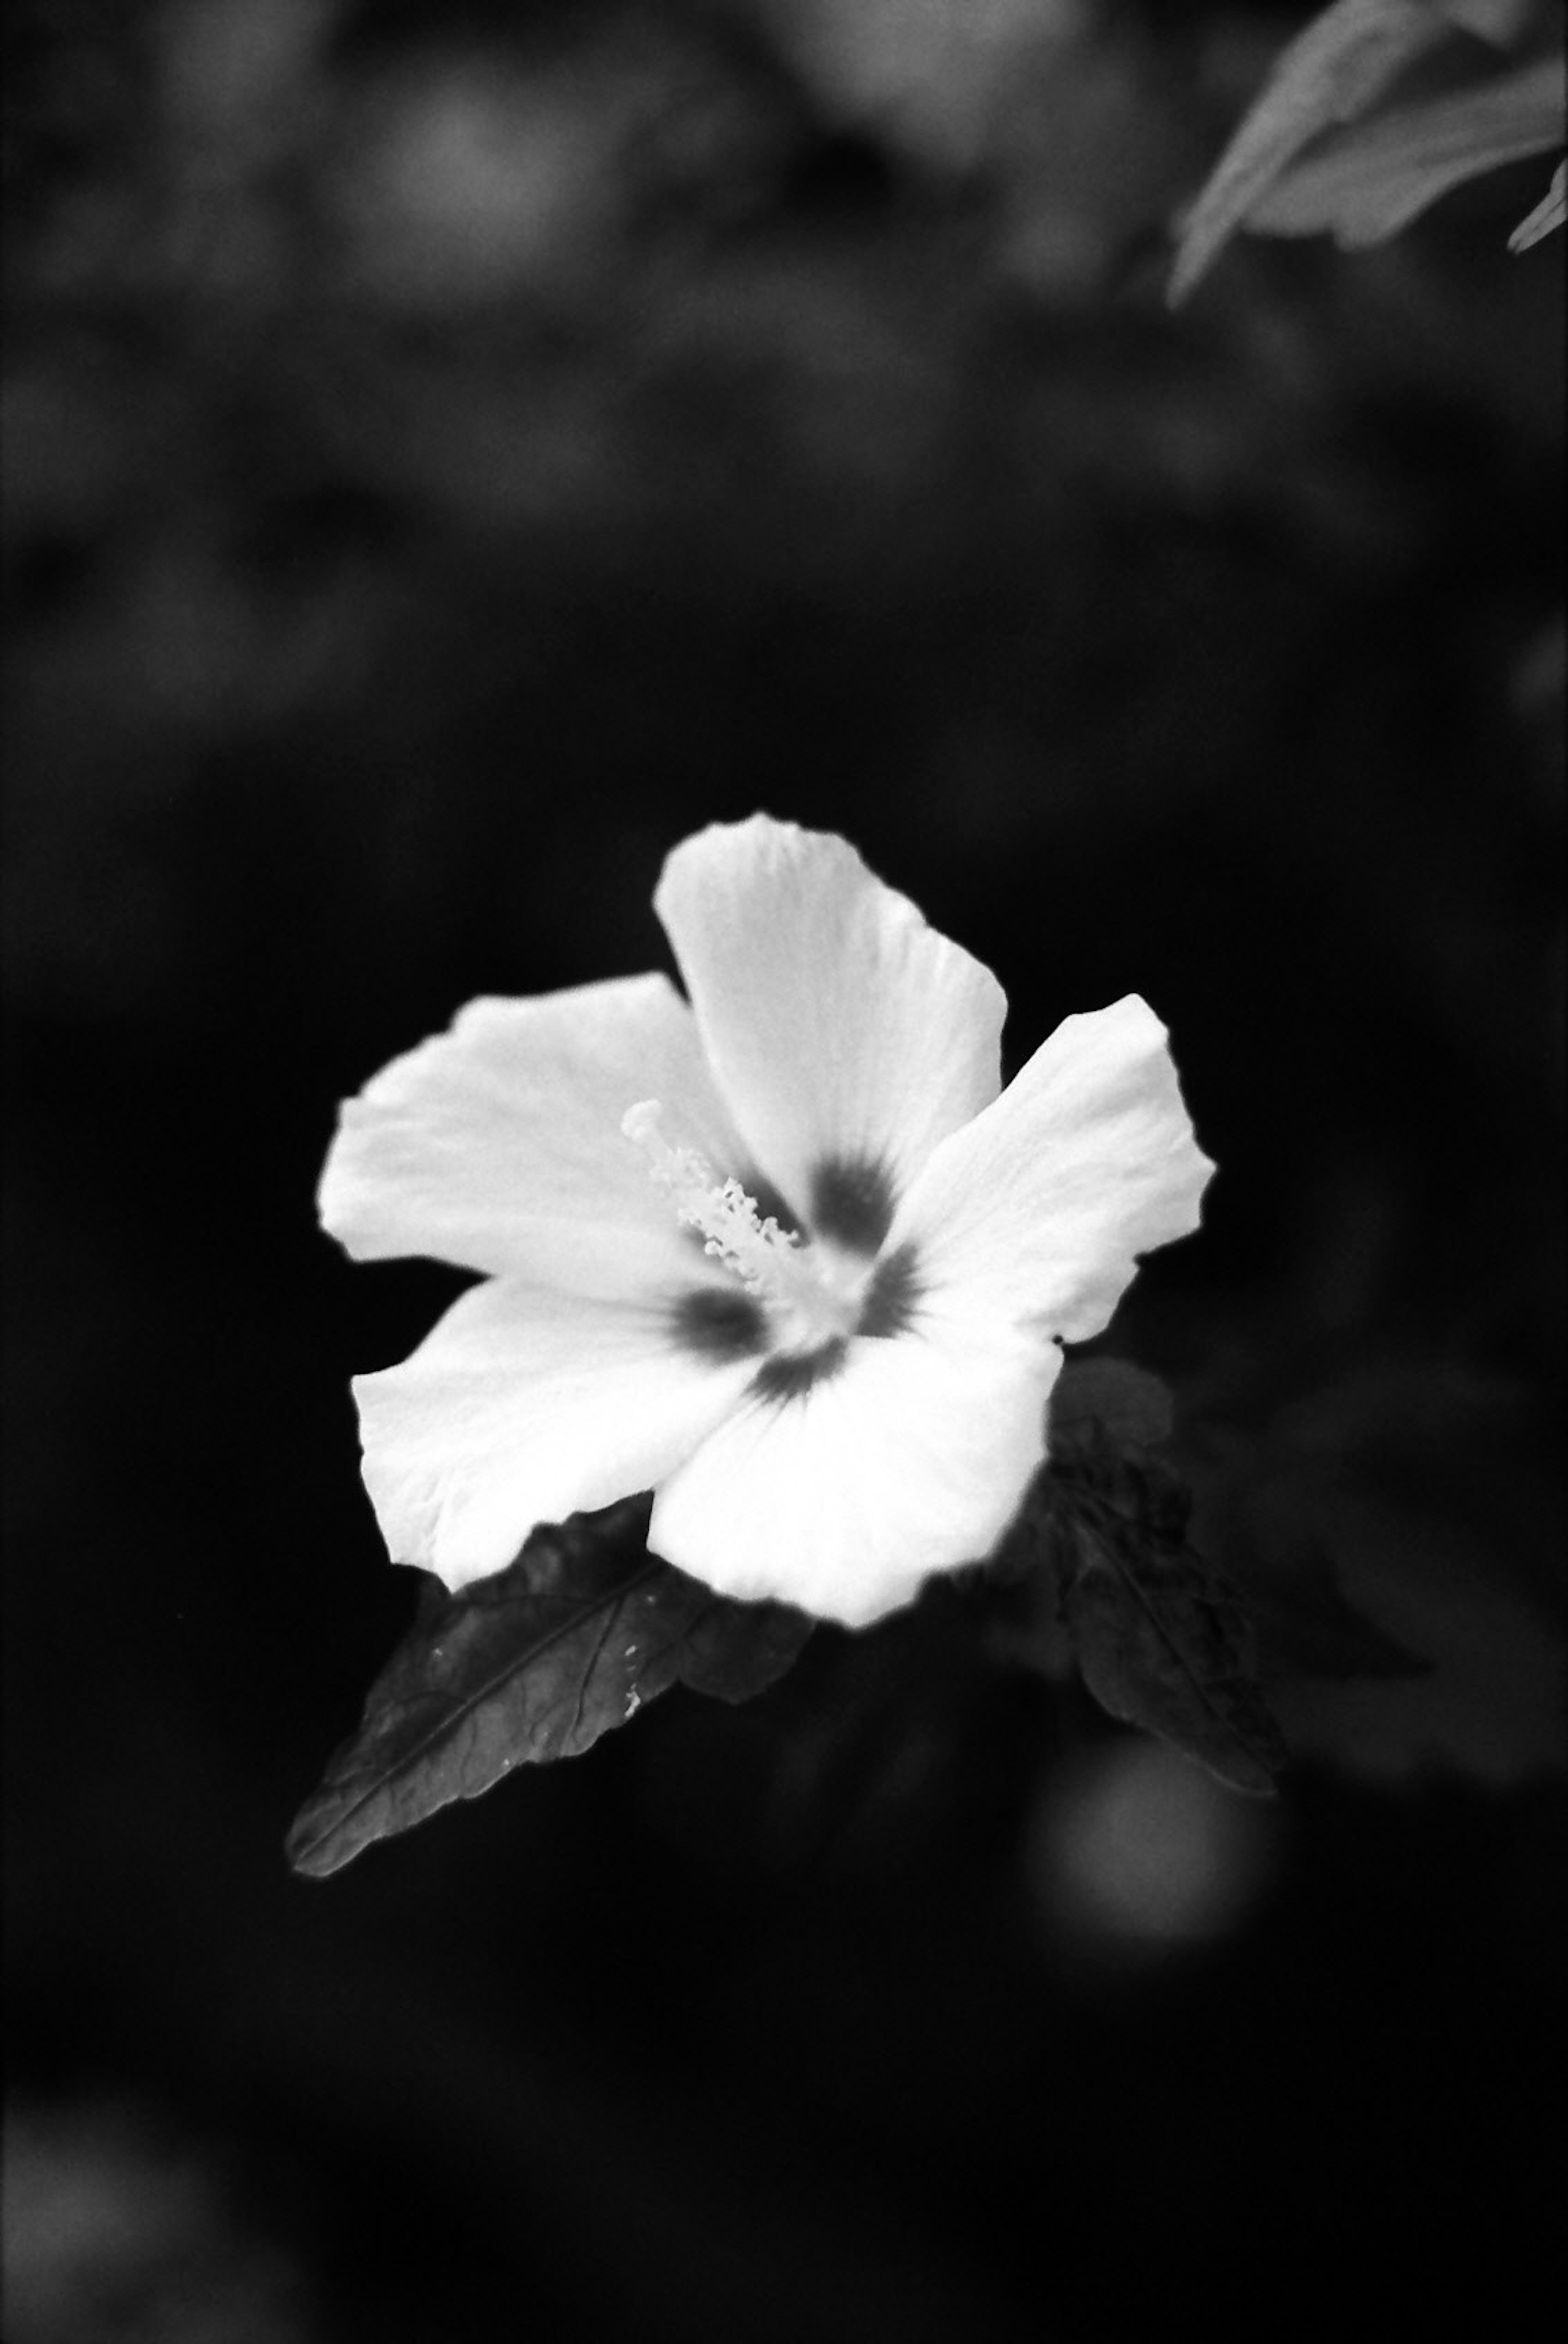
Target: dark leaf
[(1161, 1638), (534, 1664), (1424, 1492), (1305, 1627), (732, 1650), (1104, 1414), (1108, 1401)]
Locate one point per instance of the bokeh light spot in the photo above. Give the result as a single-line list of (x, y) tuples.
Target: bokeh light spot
[(1136, 1849)]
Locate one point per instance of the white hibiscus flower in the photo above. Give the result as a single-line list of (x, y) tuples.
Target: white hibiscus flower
[(783, 1252)]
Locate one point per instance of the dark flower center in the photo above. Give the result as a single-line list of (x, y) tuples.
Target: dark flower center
[(850, 1203)]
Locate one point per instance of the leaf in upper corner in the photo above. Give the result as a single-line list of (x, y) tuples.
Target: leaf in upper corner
[(531, 1664), (1368, 182), (1331, 73), (1500, 22), (1162, 1639), (1550, 212)]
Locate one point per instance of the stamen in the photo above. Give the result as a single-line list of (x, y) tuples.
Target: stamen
[(758, 1251), (769, 1261)]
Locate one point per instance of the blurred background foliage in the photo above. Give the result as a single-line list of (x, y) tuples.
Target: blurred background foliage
[(449, 454)]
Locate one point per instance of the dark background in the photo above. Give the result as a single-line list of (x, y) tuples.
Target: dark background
[(451, 453)]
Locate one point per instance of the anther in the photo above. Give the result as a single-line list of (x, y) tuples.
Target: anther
[(758, 1251), (775, 1269)]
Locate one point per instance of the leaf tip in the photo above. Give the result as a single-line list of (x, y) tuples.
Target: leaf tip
[(310, 1851)]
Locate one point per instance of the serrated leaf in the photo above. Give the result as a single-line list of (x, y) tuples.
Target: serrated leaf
[(1551, 212), (1334, 72), (1164, 1642), (534, 1664), (1367, 183)]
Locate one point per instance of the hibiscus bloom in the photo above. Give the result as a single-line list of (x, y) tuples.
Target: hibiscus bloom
[(783, 1252)]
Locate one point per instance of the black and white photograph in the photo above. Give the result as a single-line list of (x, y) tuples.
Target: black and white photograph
[(782, 826)]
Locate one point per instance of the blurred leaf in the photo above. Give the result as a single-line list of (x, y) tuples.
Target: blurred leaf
[(1107, 1419), (1306, 1627), (1425, 1496), (1163, 1639), (1331, 74), (1548, 213), (1105, 1416), (1498, 21), (1491, 1707), (533, 1663), (1368, 182), (1109, 1400)]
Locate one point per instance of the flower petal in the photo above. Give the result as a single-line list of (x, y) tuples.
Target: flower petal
[(843, 1031), (498, 1145), (912, 1460), (522, 1406), (1036, 1211)]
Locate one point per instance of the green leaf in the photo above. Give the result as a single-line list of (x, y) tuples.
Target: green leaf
[(584, 1629), (1162, 1639), (1334, 72), (1367, 183)]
